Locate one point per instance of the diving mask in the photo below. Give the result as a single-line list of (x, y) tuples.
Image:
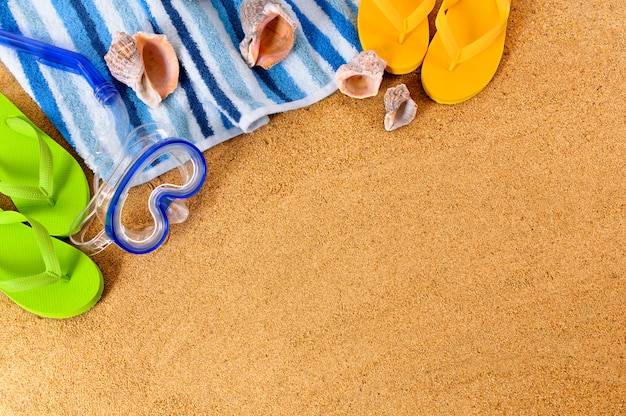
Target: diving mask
[(165, 201)]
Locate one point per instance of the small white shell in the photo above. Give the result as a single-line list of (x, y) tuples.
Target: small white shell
[(270, 32), (146, 62), (362, 76), (400, 108)]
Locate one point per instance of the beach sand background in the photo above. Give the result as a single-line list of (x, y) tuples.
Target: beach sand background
[(471, 263)]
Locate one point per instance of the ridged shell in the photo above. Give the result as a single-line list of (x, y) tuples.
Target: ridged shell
[(400, 108), (123, 60), (270, 32), (362, 76), (146, 62), (161, 67)]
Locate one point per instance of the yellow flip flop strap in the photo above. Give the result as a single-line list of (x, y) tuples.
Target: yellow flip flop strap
[(408, 24), (458, 54)]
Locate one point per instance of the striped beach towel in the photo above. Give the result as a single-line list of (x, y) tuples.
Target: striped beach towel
[(218, 97)]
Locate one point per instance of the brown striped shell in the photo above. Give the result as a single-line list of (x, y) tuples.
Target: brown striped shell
[(123, 60)]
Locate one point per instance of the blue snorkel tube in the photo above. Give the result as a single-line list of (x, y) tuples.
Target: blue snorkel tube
[(78, 64), (144, 147)]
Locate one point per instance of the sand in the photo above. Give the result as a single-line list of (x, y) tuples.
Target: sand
[(473, 262)]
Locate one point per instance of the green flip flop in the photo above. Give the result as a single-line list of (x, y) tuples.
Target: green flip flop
[(42, 179), (44, 275)]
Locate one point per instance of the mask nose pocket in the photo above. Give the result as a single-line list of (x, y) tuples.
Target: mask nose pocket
[(155, 205)]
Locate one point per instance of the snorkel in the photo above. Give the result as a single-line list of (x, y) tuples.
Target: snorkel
[(142, 147)]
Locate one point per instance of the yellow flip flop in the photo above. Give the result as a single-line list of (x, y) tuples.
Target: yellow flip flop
[(466, 50), (397, 30)]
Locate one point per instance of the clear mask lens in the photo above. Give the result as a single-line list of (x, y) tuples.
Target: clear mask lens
[(156, 204)]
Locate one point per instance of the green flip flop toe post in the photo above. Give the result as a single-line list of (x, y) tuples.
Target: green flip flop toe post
[(44, 275), (42, 179)]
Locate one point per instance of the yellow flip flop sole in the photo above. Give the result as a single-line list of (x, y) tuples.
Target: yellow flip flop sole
[(397, 30), (466, 50)]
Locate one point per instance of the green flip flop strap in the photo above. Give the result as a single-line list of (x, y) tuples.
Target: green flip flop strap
[(402, 24), (53, 272), (462, 54), (44, 191)]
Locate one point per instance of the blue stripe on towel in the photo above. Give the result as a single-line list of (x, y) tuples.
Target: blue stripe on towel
[(226, 122), (36, 83), (78, 18), (318, 40), (35, 78), (222, 100), (354, 10), (274, 82), (342, 22), (131, 13), (230, 14), (220, 53), (196, 106)]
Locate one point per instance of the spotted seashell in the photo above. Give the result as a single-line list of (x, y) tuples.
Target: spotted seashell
[(400, 108), (362, 76), (270, 32), (146, 62)]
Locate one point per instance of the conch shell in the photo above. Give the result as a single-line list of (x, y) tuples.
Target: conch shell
[(146, 62), (270, 32), (361, 77), (401, 109)]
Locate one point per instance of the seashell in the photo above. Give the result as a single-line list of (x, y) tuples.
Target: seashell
[(123, 60), (400, 108), (361, 77), (161, 67), (146, 62), (270, 32)]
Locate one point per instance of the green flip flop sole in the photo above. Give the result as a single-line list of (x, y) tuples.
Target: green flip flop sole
[(42, 179), (44, 275)]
